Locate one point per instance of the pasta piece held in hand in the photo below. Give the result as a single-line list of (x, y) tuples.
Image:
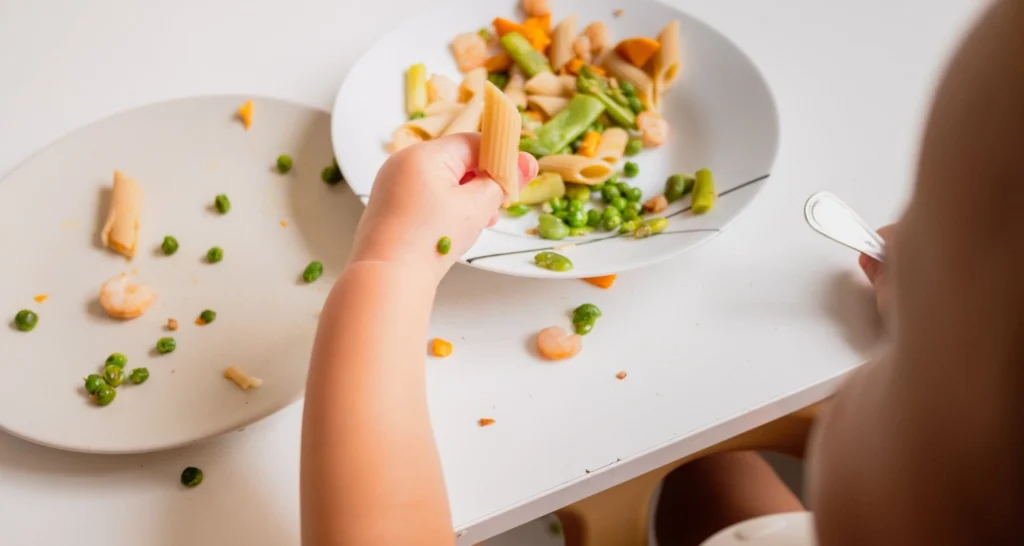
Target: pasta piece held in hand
[(576, 168), (121, 230), (499, 142)]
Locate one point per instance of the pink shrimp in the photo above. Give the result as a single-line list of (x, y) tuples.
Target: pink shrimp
[(554, 343), (653, 127), (470, 50)]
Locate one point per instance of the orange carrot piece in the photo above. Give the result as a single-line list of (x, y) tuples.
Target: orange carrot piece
[(534, 115), (503, 26), (41, 298), (440, 348), (638, 50), (200, 321), (498, 63), (536, 36), (485, 422), (602, 282), (245, 113), (284, 223), (542, 22), (588, 148), (573, 67)]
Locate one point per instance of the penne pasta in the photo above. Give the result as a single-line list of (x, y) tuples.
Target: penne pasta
[(624, 71), (468, 119), (472, 84), (667, 59), (546, 84), (242, 379), (562, 38), (568, 85), (442, 107), (121, 230), (514, 89), (548, 105), (613, 145), (576, 168), (441, 88), (499, 143), (432, 126)]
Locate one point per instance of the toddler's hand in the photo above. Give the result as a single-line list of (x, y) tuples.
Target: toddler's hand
[(876, 271), (426, 192)]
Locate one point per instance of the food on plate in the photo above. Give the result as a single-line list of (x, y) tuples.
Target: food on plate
[(612, 145), (440, 347), (588, 146), (93, 383), (485, 422), (312, 271), (172, 324), (242, 379), (554, 343), (284, 163), (650, 227), (548, 106), (166, 345), (40, 298), (215, 255), (638, 50), (139, 375), (444, 245), (597, 35), (555, 135), (549, 85), (584, 317), (113, 375), (656, 204), (536, 8), (545, 187), (104, 394), (624, 72), (191, 477), (517, 210), (633, 147), (528, 59), (653, 127), (577, 168), (667, 60), (553, 228), (442, 89), (631, 169), (169, 245), (331, 174), (121, 230), (499, 141), (116, 359), (222, 203), (703, 192), (469, 50), (604, 281), (123, 298), (562, 38), (206, 317), (26, 320), (677, 186), (552, 261), (245, 114), (621, 375)]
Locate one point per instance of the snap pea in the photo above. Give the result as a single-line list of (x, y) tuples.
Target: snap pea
[(677, 186), (517, 210), (522, 52), (590, 84), (703, 192), (633, 147), (552, 261), (550, 227), (565, 127)]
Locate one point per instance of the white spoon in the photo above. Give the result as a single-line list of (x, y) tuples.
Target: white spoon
[(833, 218)]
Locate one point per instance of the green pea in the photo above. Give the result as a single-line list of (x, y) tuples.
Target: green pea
[(551, 227), (636, 105), (208, 316), (596, 189), (577, 192), (191, 477), (677, 186), (331, 174), (105, 394), (609, 212), (583, 328), (315, 269), (627, 89), (552, 261), (631, 169), (557, 204), (116, 359), (93, 383), (587, 311), (619, 203), (169, 246), (517, 209), (166, 345), (623, 188), (139, 375), (634, 147), (593, 217), (574, 206), (637, 207), (444, 246), (577, 218), (610, 191), (26, 320), (657, 225), (630, 226), (597, 127), (580, 231), (499, 79), (562, 215), (612, 180), (634, 194), (416, 115), (611, 222), (222, 203), (630, 214), (215, 254), (113, 375), (284, 163)]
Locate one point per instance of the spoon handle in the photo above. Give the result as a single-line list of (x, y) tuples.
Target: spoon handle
[(831, 217)]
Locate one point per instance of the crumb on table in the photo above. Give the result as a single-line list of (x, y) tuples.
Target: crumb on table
[(485, 422), (172, 324), (41, 298), (284, 223), (619, 12), (621, 375)]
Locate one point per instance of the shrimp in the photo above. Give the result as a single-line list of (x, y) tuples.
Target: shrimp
[(653, 127), (536, 8), (123, 298), (597, 33), (656, 204), (554, 343), (403, 137), (470, 51)]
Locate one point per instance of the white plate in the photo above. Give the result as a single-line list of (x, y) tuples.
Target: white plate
[(721, 112), (183, 153)]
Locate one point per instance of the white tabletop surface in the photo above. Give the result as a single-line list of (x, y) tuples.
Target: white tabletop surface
[(761, 321)]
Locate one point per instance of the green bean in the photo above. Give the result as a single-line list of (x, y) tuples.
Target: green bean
[(677, 186), (634, 147), (631, 169), (166, 345), (104, 394), (580, 231), (331, 174), (191, 477), (522, 52), (551, 227), (284, 163), (587, 311), (633, 194), (517, 210), (577, 192), (93, 383), (703, 192), (222, 203), (26, 320), (565, 127), (444, 245), (113, 375), (416, 115), (315, 269), (116, 359), (208, 316), (169, 246), (619, 203), (610, 192), (576, 218), (499, 79), (590, 84), (139, 375), (552, 261), (593, 217)]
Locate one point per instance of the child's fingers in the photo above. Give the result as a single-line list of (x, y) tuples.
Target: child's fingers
[(528, 168), (484, 196), (456, 154)]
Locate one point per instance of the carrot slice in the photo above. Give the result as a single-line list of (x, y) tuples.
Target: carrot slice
[(535, 35), (245, 112), (573, 67), (637, 50), (602, 282), (588, 148), (485, 422), (542, 22), (41, 298), (498, 63), (440, 348)]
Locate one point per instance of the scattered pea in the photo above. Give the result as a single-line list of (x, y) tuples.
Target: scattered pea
[(633, 194), (208, 316), (113, 375), (517, 209), (416, 115), (222, 203), (576, 218), (166, 345), (631, 169), (93, 383), (26, 320), (116, 359), (610, 191), (553, 261), (313, 271), (105, 394), (169, 246), (284, 163), (191, 477), (583, 328), (499, 79), (444, 246), (593, 217), (139, 375), (551, 227), (587, 311), (634, 147), (331, 174), (677, 186), (215, 254)]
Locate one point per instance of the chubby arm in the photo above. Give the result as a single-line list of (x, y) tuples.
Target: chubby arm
[(924, 446)]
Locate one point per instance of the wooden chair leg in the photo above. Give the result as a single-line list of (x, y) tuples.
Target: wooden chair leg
[(619, 516)]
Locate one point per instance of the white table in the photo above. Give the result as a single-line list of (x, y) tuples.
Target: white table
[(762, 321)]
